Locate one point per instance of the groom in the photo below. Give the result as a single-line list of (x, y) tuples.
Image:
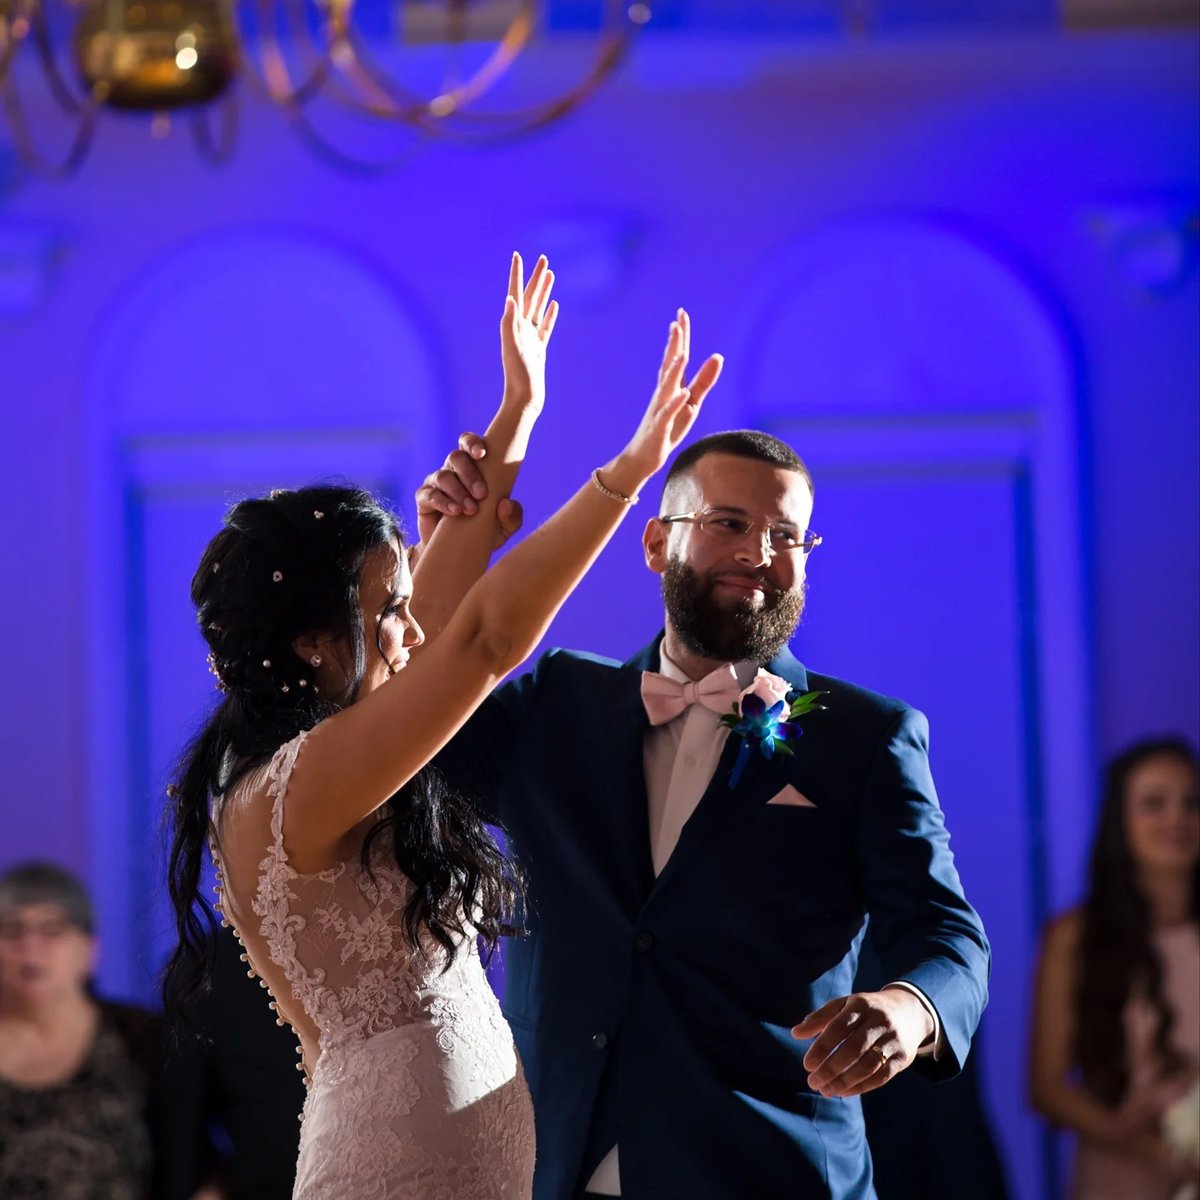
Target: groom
[(689, 900)]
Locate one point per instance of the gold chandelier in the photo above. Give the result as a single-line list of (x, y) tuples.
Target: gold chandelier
[(310, 58)]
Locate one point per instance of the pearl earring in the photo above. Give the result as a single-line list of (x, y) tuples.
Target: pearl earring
[(315, 660)]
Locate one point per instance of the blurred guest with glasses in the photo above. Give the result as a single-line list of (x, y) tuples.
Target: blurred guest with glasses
[(1116, 1032), (699, 875), (75, 1073)]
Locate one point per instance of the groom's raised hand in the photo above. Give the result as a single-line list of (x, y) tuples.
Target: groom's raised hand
[(456, 488), (863, 1040)]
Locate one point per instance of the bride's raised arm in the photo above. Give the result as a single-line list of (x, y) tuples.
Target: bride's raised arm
[(355, 760), (458, 552)]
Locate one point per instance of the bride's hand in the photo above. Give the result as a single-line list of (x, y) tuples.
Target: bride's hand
[(673, 407), (525, 329)]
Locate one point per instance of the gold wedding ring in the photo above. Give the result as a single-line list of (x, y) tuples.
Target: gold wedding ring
[(883, 1058)]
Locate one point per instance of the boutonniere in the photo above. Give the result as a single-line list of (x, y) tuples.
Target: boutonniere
[(771, 730)]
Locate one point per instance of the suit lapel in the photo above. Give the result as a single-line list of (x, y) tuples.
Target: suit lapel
[(623, 762)]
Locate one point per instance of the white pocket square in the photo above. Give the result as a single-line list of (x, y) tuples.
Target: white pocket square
[(789, 795)]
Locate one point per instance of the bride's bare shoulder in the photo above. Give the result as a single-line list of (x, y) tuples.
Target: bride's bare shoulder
[(255, 788)]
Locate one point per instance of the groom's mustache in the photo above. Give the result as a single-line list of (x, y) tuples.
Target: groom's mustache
[(751, 578)]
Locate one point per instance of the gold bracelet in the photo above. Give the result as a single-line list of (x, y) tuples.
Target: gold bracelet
[(609, 492)]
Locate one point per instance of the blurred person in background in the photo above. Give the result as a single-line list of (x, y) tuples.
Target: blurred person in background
[(76, 1073), (231, 1101), (1116, 1031)]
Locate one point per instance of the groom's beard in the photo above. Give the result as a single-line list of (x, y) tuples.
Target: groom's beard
[(734, 630)]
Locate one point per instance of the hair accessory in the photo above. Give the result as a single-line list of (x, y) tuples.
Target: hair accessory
[(215, 671), (315, 660), (607, 491), (216, 567), (285, 688), (267, 663), (304, 683), (318, 514), (277, 576), (277, 492)]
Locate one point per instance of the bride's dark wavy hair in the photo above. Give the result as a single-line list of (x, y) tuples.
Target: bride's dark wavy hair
[(283, 566), (1117, 956)]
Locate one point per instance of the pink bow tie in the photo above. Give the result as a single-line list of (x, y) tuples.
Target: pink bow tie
[(665, 699)]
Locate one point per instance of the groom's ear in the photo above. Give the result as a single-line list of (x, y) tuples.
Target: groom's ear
[(654, 542)]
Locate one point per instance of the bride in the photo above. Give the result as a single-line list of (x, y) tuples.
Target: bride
[(359, 886)]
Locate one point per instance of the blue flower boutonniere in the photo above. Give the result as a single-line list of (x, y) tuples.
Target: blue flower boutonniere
[(768, 730)]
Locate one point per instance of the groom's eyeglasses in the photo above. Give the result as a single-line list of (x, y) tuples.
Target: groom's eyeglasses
[(725, 525)]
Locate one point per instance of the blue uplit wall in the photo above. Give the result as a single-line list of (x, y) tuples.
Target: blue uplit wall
[(165, 325)]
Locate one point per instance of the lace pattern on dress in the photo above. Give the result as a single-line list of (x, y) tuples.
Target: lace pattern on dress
[(354, 919)]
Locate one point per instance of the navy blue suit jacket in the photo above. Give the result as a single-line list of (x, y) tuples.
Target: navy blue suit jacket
[(656, 1013)]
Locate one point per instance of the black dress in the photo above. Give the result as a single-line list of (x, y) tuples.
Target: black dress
[(231, 1092), (86, 1138)]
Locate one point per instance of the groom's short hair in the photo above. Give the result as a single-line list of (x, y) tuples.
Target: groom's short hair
[(741, 443)]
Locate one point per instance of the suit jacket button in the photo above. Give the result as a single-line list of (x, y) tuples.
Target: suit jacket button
[(600, 1041), (643, 941)]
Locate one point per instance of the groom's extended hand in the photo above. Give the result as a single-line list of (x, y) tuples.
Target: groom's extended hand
[(457, 488), (863, 1040)]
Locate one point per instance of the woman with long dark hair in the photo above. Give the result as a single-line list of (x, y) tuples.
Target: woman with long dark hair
[(357, 882), (1116, 1031)]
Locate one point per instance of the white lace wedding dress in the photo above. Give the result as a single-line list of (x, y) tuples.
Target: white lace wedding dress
[(415, 1089)]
